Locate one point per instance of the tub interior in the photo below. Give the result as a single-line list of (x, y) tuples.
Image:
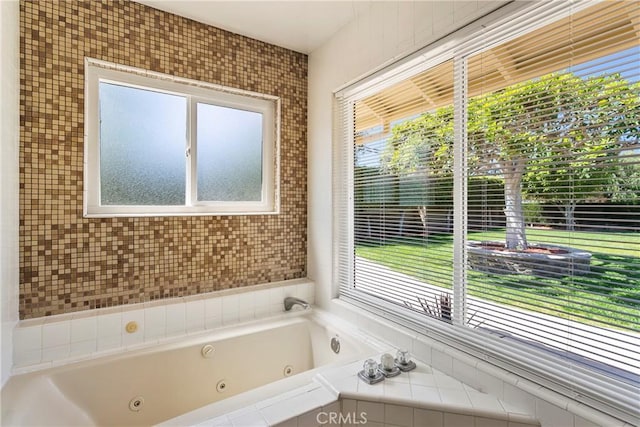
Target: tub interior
[(154, 385)]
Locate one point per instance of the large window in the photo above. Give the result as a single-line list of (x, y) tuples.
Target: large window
[(159, 145), (494, 197)]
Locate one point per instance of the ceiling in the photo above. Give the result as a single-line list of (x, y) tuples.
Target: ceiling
[(300, 25)]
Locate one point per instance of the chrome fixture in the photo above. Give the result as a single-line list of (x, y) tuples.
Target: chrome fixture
[(403, 361), (289, 302), (370, 373), (387, 366)]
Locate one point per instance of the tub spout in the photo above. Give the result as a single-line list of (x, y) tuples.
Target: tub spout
[(289, 302)]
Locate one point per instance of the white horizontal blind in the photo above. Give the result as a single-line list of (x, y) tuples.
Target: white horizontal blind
[(402, 194), (395, 220), (553, 122)]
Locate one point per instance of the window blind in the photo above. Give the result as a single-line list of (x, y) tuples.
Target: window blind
[(505, 220), (553, 117)]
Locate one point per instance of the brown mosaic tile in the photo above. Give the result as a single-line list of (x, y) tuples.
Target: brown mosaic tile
[(70, 263)]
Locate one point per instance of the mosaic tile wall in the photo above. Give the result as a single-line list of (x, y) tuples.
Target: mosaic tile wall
[(69, 263)]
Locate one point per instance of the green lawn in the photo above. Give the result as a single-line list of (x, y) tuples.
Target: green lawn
[(608, 296)]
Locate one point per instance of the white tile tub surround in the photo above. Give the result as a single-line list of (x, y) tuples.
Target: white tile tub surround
[(517, 395), (66, 338), (337, 397)]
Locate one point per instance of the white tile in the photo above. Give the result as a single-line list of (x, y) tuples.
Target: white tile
[(304, 291), (84, 329), (454, 397), (423, 379), (552, 415), (276, 296), (332, 407), (441, 361), (213, 307), (372, 390), (27, 339), (153, 334), (109, 325), (262, 311), (293, 422), (230, 313), (485, 402), (445, 381), (425, 417), (176, 319), (581, 422), (155, 320), (349, 405), (246, 306), (213, 322), (109, 342), (83, 348), (56, 334), (397, 390), (249, 419), (194, 314), (346, 385), (490, 422), (289, 291), (287, 395), (28, 323), (27, 357), (464, 372), (310, 418), (457, 420), (487, 383), (402, 378), (373, 411), (398, 415), (425, 394), (55, 353), (421, 368), (340, 372), (277, 413), (261, 301), (518, 401), (221, 421), (276, 308)]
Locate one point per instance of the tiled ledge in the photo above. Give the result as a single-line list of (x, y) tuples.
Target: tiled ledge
[(424, 388), (407, 400), (544, 404), (50, 341)]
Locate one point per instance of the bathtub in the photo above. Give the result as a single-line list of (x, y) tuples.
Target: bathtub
[(152, 385)]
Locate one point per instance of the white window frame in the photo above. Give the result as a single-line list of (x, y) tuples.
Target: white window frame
[(577, 382), (195, 92)]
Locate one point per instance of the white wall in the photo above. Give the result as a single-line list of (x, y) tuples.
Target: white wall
[(380, 34), (9, 177)]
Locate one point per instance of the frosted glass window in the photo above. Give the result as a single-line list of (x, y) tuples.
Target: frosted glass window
[(142, 146), (158, 144), (229, 159)]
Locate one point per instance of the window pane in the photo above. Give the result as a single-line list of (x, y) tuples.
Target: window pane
[(142, 146), (229, 154), (553, 248), (403, 193)]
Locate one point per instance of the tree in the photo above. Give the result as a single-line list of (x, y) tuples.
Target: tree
[(538, 135), (422, 148)]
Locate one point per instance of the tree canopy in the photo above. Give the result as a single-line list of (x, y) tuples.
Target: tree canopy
[(559, 138)]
